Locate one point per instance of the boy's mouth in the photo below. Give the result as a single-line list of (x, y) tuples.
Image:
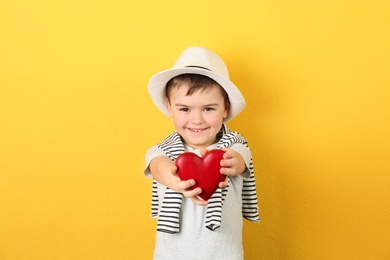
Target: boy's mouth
[(197, 130)]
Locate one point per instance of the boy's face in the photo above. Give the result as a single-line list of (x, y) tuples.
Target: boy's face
[(197, 118)]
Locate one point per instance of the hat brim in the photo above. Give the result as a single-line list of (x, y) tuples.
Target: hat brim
[(158, 82)]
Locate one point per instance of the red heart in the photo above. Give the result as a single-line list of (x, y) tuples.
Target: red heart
[(204, 170)]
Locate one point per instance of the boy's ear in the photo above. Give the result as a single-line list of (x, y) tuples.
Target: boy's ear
[(227, 109), (169, 108)]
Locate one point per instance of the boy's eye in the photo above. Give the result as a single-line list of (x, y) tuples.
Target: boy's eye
[(209, 109), (184, 109)]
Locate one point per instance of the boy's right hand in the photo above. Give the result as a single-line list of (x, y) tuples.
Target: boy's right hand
[(184, 188)]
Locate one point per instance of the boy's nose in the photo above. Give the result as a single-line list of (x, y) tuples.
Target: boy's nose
[(196, 117)]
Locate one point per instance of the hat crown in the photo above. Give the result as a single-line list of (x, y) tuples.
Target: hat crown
[(202, 58), (201, 61)]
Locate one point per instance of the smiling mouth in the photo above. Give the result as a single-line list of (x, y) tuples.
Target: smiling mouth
[(197, 130)]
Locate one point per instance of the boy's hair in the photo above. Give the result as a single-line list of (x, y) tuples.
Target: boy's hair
[(196, 82)]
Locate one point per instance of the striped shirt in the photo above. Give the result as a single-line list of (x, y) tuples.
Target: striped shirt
[(169, 214)]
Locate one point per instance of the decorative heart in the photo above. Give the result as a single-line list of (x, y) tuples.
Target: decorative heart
[(204, 170)]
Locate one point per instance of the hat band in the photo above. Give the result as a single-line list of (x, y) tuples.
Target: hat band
[(198, 67)]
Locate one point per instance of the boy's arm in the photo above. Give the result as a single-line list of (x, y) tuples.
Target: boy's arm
[(164, 171)]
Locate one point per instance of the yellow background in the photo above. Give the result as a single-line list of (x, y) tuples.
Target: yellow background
[(76, 120)]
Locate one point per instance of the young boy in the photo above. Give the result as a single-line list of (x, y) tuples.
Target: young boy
[(198, 95)]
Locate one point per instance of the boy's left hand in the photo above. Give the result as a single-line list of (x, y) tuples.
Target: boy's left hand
[(233, 163)]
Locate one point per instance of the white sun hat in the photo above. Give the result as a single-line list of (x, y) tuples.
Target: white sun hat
[(197, 60)]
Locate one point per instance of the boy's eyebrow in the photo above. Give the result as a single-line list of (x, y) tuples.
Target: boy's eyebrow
[(207, 105)]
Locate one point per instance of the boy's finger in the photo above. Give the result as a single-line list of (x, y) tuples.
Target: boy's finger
[(192, 193), (223, 184), (227, 155), (187, 184), (228, 171), (199, 202)]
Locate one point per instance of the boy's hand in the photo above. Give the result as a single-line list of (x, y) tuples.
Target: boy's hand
[(233, 163), (164, 171), (184, 188)]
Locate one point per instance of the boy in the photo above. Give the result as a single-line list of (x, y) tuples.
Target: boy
[(198, 95)]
